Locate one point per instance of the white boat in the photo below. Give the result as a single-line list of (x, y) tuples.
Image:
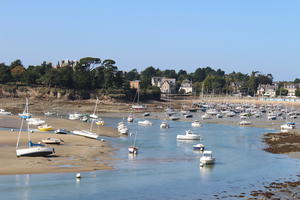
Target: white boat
[(133, 149), (84, 118), (196, 123), (3, 112), (189, 135), (52, 141), (174, 117), (198, 147), (288, 126), (205, 116), (35, 121), (35, 151), (138, 106), (245, 123), (230, 114), (272, 117), (145, 123), (86, 133), (25, 114), (219, 115), (207, 158), (61, 131), (31, 149), (122, 128), (188, 115), (212, 111), (75, 116), (130, 118), (48, 113), (164, 125)]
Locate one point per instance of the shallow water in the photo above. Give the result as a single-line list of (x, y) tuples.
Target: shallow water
[(165, 168)]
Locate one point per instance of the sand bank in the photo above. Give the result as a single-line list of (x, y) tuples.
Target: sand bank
[(76, 154)]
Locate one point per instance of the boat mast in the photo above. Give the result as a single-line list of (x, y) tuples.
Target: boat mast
[(19, 134)]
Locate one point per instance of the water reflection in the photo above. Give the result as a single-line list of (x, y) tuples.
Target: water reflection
[(206, 171)]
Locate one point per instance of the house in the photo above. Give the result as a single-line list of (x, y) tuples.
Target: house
[(291, 88), (135, 84), (186, 87), (267, 90), (166, 85)]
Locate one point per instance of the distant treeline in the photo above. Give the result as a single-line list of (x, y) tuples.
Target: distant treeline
[(95, 74)]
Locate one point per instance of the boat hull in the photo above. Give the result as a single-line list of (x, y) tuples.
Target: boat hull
[(188, 137), (35, 151)]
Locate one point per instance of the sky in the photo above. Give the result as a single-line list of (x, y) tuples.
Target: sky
[(232, 35)]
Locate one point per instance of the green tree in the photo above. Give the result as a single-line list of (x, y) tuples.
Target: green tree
[(146, 76), (5, 75), (297, 93)]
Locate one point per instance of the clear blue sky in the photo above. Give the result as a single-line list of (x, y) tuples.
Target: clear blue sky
[(169, 34)]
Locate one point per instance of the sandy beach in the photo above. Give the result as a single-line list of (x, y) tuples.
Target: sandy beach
[(76, 154)]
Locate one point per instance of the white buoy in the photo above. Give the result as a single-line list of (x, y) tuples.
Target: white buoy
[(78, 175), (11, 130)]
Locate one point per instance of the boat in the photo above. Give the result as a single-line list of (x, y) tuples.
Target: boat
[(245, 123), (31, 149), (85, 133), (145, 123), (35, 121), (272, 117), (198, 147), (48, 113), (230, 114), (212, 111), (25, 114), (84, 118), (52, 141), (133, 149), (3, 112), (138, 106), (207, 158), (45, 127), (219, 115), (174, 117), (164, 125), (94, 116), (189, 135), (196, 123), (130, 118), (122, 128), (146, 114), (75, 116), (206, 116), (188, 115), (61, 131), (288, 126), (100, 122)]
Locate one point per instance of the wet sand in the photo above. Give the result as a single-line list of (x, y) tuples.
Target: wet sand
[(75, 155)]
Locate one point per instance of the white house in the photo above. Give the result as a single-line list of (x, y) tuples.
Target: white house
[(186, 87)]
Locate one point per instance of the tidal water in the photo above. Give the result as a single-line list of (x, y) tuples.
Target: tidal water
[(165, 168)]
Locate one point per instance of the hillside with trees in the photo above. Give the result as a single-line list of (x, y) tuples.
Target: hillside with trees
[(94, 74)]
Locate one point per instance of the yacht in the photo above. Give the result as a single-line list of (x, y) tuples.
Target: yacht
[(3, 112), (145, 123), (189, 135), (196, 123), (35, 121), (207, 158), (206, 116), (164, 125), (198, 147), (245, 123), (288, 126)]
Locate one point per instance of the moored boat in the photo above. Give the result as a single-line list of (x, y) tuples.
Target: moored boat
[(189, 135)]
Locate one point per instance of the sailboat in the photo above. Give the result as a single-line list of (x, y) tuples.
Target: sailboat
[(85, 133), (130, 118), (138, 106), (133, 149), (32, 149), (94, 116), (25, 114)]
